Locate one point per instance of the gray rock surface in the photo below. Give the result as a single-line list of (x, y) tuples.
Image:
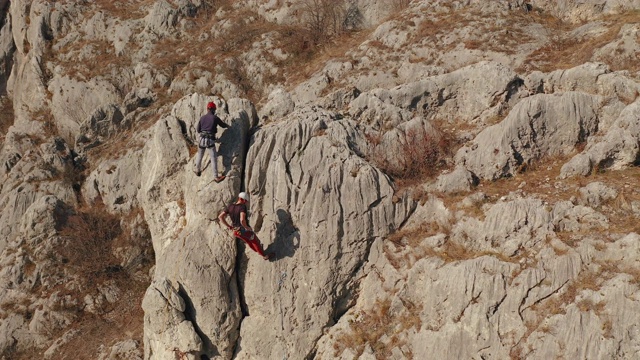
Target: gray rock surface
[(313, 201), (541, 125), (365, 266), (473, 93), (169, 332), (617, 148)]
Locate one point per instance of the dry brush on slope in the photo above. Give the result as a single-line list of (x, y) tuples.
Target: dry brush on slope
[(510, 273)]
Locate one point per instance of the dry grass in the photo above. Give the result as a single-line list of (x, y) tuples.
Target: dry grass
[(399, 5), (586, 280), (100, 60), (89, 234), (45, 116), (82, 259), (564, 52), (622, 219), (6, 115), (556, 305), (369, 327), (414, 158), (124, 10)]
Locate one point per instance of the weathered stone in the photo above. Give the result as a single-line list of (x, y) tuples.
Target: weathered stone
[(298, 182), (527, 276), (169, 332), (459, 180), (617, 149), (123, 350), (595, 194), (542, 125), (480, 91)]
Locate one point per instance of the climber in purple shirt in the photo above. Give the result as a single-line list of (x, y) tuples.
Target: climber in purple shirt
[(207, 128)]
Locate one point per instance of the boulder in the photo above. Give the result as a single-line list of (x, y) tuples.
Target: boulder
[(168, 332), (103, 123), (459, 180), (541, 125), (618, 148), (480, 91)]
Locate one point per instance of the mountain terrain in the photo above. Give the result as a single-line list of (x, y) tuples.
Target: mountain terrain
[(436, 179)]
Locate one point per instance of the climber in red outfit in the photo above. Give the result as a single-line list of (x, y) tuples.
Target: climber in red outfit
[(240, 226)]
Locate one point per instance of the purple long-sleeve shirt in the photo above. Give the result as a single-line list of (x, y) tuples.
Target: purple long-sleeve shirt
[(210, 123)]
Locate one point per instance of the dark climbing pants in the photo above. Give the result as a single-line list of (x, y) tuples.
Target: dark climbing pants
[(250, 238)]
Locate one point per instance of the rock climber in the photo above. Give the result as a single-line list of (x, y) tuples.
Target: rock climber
[(240, 225), (207, 128)]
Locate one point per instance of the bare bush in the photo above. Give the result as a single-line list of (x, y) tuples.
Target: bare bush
[(371, 326), (399, 5), (415, 155), (88, 235), (6, 115), (326, 18), (235, 71)]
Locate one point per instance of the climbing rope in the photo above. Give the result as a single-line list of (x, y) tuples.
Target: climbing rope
[(283, 276)]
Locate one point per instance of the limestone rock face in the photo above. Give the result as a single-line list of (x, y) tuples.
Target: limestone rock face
[(103, 123), (73, 104), (313, 201), (459, 180), (540, 125), (107, 96), (7, 47), (181, 222), (576, 11), (617, 148), (479, 91), (31, 172), (509, 227), (174, 334)]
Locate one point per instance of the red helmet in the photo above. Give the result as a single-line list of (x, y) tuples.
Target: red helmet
[(211, 105)]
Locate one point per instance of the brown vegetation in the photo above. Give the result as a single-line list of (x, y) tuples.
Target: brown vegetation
[(91, 235), (369, 327), (6, 115), (88, 235), (415, 156), (564, 52)]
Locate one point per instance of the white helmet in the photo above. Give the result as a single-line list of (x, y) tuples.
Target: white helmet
[(243, 195)]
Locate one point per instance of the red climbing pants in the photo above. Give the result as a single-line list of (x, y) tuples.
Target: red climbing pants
[(250, 238)]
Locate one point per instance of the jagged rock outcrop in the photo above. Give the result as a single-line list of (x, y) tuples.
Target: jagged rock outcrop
[(541, 125), (577, 11), (480, 305), (367, 265), (192, 251), (169, 332), (319, 207), (474, 93), (617, 148), (31, 171)]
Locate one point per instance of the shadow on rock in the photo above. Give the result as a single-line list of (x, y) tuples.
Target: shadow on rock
[(287, 237)]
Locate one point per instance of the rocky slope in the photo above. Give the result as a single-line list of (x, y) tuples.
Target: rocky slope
[(435, 178)]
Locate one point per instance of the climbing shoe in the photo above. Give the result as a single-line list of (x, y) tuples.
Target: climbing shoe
[(220, 178)]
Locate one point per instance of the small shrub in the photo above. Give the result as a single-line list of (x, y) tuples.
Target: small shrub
[(324, 18), (235, 70), (369, 327), (88, 235), (6, 114), (415, 156), (399, 5)]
